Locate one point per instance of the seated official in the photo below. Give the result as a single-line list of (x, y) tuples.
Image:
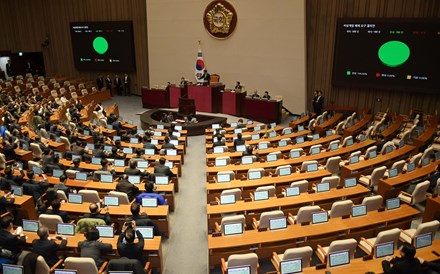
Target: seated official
[(250, 152), (5, 201), (76, 162), (56, 205), (105, 169), (93, 248), (162, 169), (149, 193), (146, 140), (406, 264), (129, 248), (238, 86), (47, 247), (133, 170), (255, 95), (241, 124), (239, 141), (95, 212), (11, 240), (125, 186), (35, 188), (11, 179), (266, 95), (138, 156), (167, 144), (268, 130), (62, 185), (142, 219), (219, 141), (114, 154)]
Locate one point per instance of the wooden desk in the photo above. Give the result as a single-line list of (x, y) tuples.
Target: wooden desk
[(358, 265), (370, 164), (155, 98), (293, 162), (432, 209), (358, 126), (303, 120), (329, 123), (26, 206), (390, 188), (24, 155), (249, 127), (265, 242), (307, 144), (104, 188), (267, 111), (427, 134), (287, 204), (152, 248), (159, 214), (392, 129), (246, 186), (270, 140), (230, 134)]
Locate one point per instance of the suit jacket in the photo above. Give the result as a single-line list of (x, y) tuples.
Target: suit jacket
[(117, 82), (239, 142), (402, 266), (163, 170), (132, 250), (127, 187), (168, 145), (108, 83), (47, 249), (105, 217), (11, 242), (125, 264), (4, 203), (143, 220), (94, 249), (63, 188)]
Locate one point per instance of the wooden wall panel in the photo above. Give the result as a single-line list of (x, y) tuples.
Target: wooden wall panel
[(321, 18), (25, 23)]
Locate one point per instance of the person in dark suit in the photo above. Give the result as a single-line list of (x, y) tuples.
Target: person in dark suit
[(13, 242), (142, 219), (406, 264), (128, 248), (238, 86), (219, 141), (5, 201), (167, 144), (95, 212), (62, 185), (126, 82), (266, 95), (206, 77), (146, 140), (125, 186), (118, 85), (162, 169), (239, 141), (133, 170), (9, 70), (93, 248), (108, 83), (100, 82), (76, 162), (255, 95), (250, 152), (56, 204), (33, 187), (11, 179), (47, 247), (318, 102)]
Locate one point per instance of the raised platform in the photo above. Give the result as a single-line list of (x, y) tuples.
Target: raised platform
[(152, 118)]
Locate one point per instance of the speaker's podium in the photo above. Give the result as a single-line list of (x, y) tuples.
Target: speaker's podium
[(187, 106)]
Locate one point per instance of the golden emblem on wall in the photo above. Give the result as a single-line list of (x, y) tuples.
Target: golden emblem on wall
[(220, 19)]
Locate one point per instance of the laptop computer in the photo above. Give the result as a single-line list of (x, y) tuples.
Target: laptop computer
[(299, 140), (261, 195), (292, 191), (316, 136), (119, 163), (66, 229), (105, 231), (171, 152), (81, 176), (149, 202), (142, 164), (300, 128), (134, 141), (90, 146), (233, 229), (423, 240), (334, 146), (223, 178), (240, 148), (13, 269), (393, 173), (294, 154), (315, 150), (291, 266), (111, 201), (128, 150), (239, 270), (161, 180), (17, 190), (227, 199), (358, 210), (238, 130), (350, 182), (282, 143), (106, 178), (287, 131), (271, 157), (372, 154), (410, 167), (263, 145), (75, 198), (140, 132), (220, 162), (285, 171), (37, 170), (66, 271), (76, 157), (323, 187), (146, 231), (160, 127), (96, 161), (392, 203), (329, 133), (272, 134), (277, 223), (218, 150), (30, 225), (312, 167), (116, 138), (383, 250), (339, 258), (215, 126), (319, 217), (254, 175), (247, 160), (255, 136), (354, 159), (134, 179), (257, 128), (149, 151), (349, 142), (178, 128)]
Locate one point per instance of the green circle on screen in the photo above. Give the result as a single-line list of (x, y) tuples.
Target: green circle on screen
[(394, 53), (100, 45)]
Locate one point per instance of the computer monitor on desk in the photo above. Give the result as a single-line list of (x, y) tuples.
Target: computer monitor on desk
[(239, 270), (383, 250), (339, 258), (233, 229), (291, 266)]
